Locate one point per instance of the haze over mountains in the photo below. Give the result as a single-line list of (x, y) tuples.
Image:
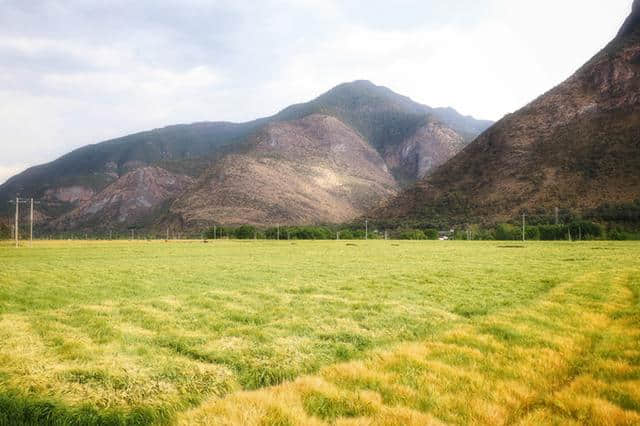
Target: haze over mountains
[(328, 160), (576, 147)]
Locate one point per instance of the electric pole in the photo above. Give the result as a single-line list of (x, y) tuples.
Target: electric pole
[(17, 229), (523, 226), (31, 225), (17, 219)]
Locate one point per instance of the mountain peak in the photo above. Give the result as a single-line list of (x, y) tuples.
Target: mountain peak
[(632, 23)]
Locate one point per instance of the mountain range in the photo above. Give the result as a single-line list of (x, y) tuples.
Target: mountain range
[(326, 161), (361, 149)]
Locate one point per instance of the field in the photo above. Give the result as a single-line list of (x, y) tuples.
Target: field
[(333, 332)]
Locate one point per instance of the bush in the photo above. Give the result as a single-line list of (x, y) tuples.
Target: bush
[(411, 234), (617, 234), (586, 230), (5, 232), (245, 232), (352, 234), (553, 232), (507, 232), (431, 234)]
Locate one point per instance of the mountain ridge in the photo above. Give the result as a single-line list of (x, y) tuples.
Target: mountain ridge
[(74, 184)]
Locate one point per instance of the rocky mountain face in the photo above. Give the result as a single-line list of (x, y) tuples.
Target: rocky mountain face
[(128, 200), (328, 160), (575, 147), (312, 170)]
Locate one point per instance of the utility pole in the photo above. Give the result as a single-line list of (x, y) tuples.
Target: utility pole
[(523, 226), (214, 232), (366, 229), (278, 232), (31, 226), (17, 229)]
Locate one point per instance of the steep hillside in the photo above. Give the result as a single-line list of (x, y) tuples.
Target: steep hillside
[(312, 170), (126, 202), (411, 139), (576, 147), (184, 149)]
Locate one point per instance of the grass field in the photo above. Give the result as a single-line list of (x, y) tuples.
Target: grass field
[(284, 333)]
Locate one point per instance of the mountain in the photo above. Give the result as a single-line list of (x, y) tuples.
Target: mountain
[(576, 147), (311, 170), (327, 160)]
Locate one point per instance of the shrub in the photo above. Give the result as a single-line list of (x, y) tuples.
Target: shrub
[(411, 234), (507, 232), (553, 232), (5, 232), (431, 234), (617, 234), (586, 230), (245, 232), (532, 233)]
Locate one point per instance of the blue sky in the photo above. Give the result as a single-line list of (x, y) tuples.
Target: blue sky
[(76, 72)]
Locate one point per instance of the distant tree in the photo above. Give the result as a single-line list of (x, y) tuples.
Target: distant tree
[(431, 234), (411, 234), (5, 232), (245, 232), (507, 232)]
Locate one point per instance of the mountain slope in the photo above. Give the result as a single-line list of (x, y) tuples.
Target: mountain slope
[(312, 170), (576, 147), (127, 201), (410, 139)]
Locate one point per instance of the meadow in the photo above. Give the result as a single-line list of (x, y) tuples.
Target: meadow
[(324, 332)]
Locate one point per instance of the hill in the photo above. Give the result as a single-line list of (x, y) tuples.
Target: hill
[(576, 148), (366, 140)]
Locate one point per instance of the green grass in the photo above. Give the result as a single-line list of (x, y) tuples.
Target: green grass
[(459, 332)]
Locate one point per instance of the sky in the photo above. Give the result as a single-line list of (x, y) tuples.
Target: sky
[(77, 72)]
